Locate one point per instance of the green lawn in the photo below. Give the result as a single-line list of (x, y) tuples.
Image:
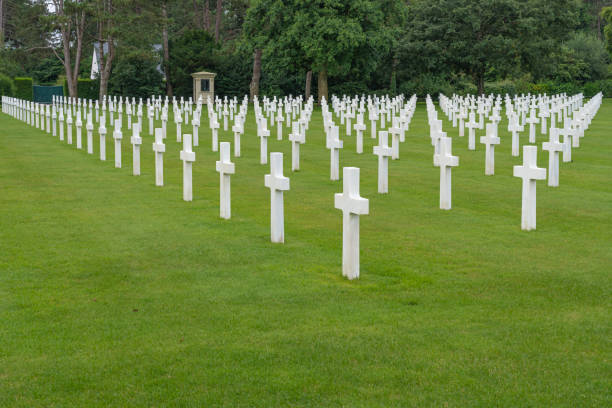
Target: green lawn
[(114, 292)]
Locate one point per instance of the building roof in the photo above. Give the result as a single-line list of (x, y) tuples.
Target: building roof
[(204, 74)]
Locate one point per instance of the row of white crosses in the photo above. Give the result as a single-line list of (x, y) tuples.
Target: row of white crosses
[(576, 120), (224, 166), (349, 202), (399, 125)]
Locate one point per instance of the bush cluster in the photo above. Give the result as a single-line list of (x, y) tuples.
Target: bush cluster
[(23, 88)]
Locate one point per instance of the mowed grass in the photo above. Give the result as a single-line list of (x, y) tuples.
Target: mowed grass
[(115, 292)]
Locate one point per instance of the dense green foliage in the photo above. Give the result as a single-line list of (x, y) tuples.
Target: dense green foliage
[(136, 75), (47, 71), (23, 88), (7, 86), (193, 51), (358, 47), (88, 88), (117, 293)]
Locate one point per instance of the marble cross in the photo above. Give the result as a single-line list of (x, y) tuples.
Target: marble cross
[(544, 113), (359, 127), (334, 144), (529, 172), (89, 127), (279, 125), (178, 120), (195, 123), (263, 134), (515, 128), (568, 133), (472, 125), (490, 140), (277, 183), (79, 128), (54, 120), (446, 161), (117, 135), (238, 129), (188, 157), (214, 126), (151, 117), (128, 111), (383, 151), (352, 206), (225, 168), (102, 131), (296, 139), (69, 129), (395, 133), (373, 116), (164, 121), (48, 116), (159, 148), (348, 116), (532, 120), (136, 142), (553, 147)]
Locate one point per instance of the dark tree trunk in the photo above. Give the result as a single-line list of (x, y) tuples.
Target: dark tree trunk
[(322, 85), (166, 51), (218, 19), (479, 82), (105, 36), (197, 23), (1, 23), (254, 88), (206, 15), (308, 84)]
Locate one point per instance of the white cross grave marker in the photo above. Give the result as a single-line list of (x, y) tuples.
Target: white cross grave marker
[(472, 125), (117, 135), (383, 151), (529, 172), (532, 120), (225, 168), (553, 147), (352, 206), (296, 139), (188, 157), (446, 161), (277, 183), (360, 127), (136, 142), (79, 127), (69, 128), (334, 144), (159, 148), (102, 131), (89, 127), (490, 140)]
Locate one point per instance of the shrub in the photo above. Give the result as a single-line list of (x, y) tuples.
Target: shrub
[(426, 85), (592, 52), (192, 51), (136, 75), (8, 65), (88, 89), (7, 87), (23, 88), (47, 70)]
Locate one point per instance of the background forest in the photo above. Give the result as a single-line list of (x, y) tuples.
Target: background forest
[(316, 47)]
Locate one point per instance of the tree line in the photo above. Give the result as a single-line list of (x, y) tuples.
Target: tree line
[(309, 46)]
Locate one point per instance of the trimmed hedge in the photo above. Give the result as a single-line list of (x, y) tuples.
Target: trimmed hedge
[(7, 87), (88, 89), (23, 88)]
